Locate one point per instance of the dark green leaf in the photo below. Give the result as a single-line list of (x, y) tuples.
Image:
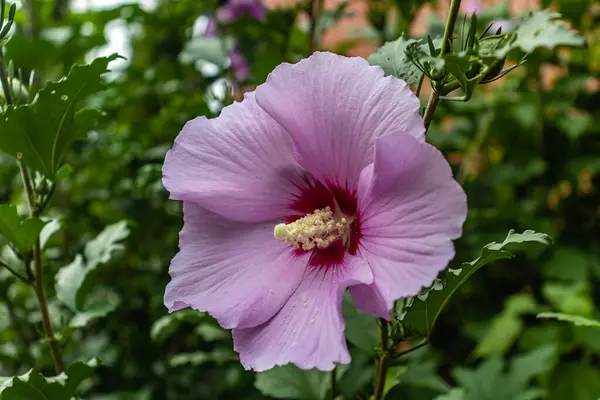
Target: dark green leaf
[(361, 329), (22, 234), (39, 133), (290, 382), (425, 309), (33, 386)]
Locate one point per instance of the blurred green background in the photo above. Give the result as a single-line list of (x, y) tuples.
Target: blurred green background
[(526, 149)]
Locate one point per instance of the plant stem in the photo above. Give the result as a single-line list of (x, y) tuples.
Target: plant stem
[(39, 278), (41, 296), (446, 43), (314, 12), (384, 360)]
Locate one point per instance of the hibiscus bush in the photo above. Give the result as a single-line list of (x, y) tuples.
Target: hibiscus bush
[(247, 199)]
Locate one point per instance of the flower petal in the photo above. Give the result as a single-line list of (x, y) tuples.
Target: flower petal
[(239, 165), (235, 271), (309, 329), (333, 108), (411, 209)]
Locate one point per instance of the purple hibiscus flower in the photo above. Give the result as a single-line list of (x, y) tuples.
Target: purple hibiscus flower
[(231, 11), (319, 181), (476, 7)]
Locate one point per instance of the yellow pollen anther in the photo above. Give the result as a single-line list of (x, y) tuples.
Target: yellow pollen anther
[(316, 230)]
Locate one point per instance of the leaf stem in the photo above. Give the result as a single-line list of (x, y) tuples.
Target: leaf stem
[(384, 360), (422, 343), (448, 32), (15, 273)]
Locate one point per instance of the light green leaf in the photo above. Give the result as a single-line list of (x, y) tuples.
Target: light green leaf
[(22, 234), (52, 226), (490, 381), (574, 319), (361, 329), (423, 374), (68, 281), (219, 356), (71, 279), (167, 324), (426, 308), (212, 49), (392, 58), (94, 311), (101, 249), (454, 394), (39, 133), (290, 382), (505, 329), (540, 29), (527, 366)]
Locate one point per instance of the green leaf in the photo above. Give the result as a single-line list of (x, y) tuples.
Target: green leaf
[(211, 49), (359, 374), (101, 249), (290, 382), (525, 367), (540, 29), (39, 133), (506, 328), (219, 356), (94, 311), (72, 278), (574, 319), (490, 381), (392, 58), (33, 386), (423, 374), (458, 67), (168, 324), (68, 281), (574, 381), (454, 394), (52, 226), (426, 308), (22, 234), (361, 329)]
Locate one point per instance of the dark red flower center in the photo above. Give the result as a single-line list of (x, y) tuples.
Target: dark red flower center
[(313, 199)]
